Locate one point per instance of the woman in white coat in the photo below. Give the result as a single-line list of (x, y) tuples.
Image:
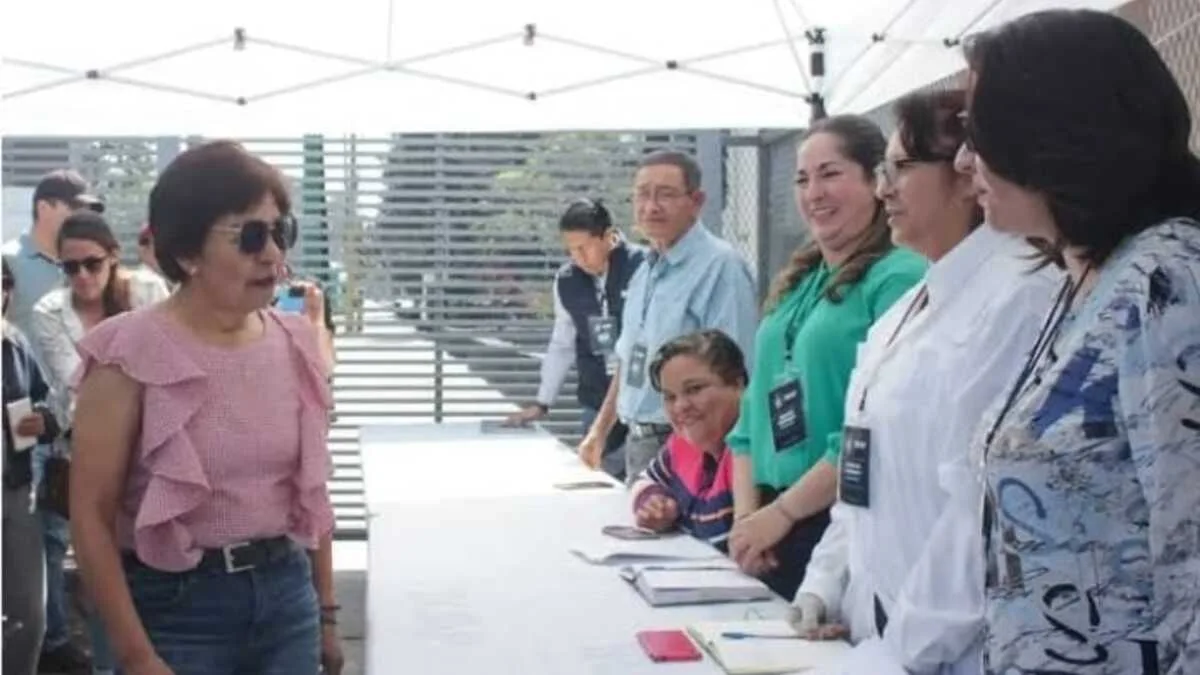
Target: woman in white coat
[(902, 565)]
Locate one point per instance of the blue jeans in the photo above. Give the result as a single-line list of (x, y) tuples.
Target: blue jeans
[(57, 536), (263, 621)]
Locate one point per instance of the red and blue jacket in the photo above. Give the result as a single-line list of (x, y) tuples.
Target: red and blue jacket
[(701, 484)]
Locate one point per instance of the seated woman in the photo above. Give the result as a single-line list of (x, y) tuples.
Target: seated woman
[(689, 484)]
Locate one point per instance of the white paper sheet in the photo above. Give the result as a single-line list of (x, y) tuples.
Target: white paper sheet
[(17, 410)]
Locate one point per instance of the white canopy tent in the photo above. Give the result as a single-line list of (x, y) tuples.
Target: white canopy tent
[(277, 68)]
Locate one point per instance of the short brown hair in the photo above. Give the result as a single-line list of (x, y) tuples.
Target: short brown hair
[(198, 188), (716, 349), (686, 164)]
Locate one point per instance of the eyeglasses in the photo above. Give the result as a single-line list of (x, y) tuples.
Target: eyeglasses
[(888, 171), (91, 263), (658, 196), (253, 234)]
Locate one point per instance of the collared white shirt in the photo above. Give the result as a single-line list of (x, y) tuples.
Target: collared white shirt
[(918, 546), (56, 328), (560, 353)]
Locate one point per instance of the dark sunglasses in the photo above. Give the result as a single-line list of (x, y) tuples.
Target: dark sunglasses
[(92, 264), (254, 234)]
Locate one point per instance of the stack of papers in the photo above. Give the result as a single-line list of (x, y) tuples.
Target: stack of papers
[(765, 647), (695, 583), (606, 550)]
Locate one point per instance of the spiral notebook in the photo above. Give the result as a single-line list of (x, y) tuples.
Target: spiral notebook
[(694, 583), (764, 647)]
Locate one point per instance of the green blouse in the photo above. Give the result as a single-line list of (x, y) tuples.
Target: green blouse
[(825, 338)]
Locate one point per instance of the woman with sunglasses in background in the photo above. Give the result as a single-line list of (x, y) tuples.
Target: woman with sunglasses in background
[(202, 518), (97, 288), (1091, 459)]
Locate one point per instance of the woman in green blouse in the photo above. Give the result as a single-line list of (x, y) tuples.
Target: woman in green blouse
[(788, 439)]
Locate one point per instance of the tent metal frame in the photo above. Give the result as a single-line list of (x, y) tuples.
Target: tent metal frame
[(812, 87)]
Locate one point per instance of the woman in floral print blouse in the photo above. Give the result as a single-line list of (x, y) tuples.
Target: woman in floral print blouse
[(1092, 461)]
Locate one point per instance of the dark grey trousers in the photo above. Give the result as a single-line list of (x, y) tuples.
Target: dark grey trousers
[(639, 452), (24, 584)]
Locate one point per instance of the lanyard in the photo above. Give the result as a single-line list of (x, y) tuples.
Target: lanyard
[(919, 302), (810, 298), (1046, 337), (653, 272), (602, 294)]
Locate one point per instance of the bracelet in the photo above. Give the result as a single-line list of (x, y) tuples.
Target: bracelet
[(328, 621), (778, 503)]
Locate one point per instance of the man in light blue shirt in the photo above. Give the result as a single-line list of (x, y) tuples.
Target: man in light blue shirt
[(692, 280)]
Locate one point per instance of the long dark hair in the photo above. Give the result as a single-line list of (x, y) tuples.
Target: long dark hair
[(91, 226), (1102, 129), (862, 142)]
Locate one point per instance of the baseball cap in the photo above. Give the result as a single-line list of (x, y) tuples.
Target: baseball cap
[(65, 185)]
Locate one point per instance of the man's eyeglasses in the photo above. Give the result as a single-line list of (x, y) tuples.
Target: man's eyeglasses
[(889, 170), (664, 196), (253, 234), (91, 263)]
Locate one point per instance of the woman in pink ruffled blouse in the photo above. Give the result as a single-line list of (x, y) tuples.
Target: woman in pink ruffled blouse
[(200, 512)]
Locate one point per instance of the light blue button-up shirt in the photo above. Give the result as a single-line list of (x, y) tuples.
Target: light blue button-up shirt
[(699, 283), (35, 275)]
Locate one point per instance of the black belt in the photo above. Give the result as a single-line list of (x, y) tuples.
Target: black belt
[(648, 429), (236, 558)]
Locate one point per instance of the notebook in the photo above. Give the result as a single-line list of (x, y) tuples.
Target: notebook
[(769, 647), (694, 583), (604, 550)]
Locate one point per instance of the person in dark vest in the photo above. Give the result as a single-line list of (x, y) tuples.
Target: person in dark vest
[(589, 295)]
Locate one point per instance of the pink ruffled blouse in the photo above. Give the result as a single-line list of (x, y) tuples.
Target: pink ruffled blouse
[(233, 440)]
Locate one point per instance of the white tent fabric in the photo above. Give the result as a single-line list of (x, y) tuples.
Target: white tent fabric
[(278, 68)]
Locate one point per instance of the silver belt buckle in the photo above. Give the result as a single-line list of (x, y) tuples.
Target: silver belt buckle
[(643, 430), (228, 552)]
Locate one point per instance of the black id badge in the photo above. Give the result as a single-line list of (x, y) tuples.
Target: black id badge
[(854, 471), (602, 334), (787, 415), (636, 377)]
